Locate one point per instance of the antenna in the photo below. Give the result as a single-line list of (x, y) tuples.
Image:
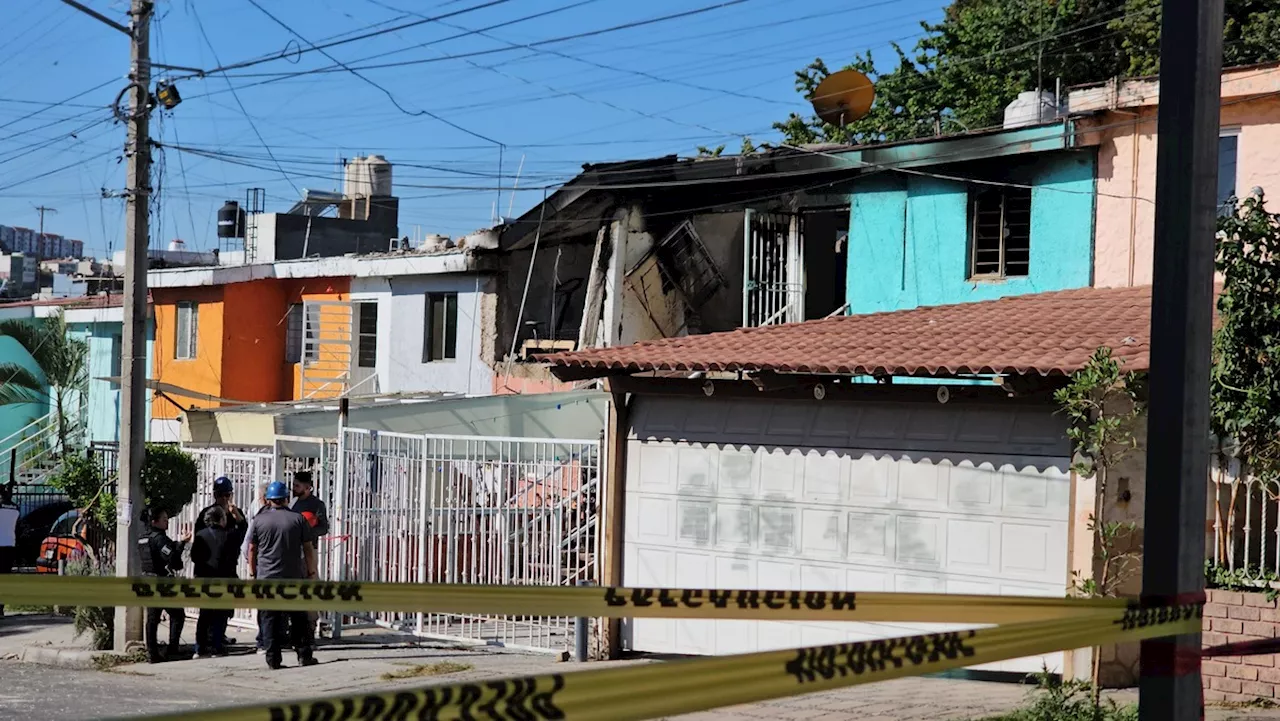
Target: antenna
[(843, 97), (515, 186)]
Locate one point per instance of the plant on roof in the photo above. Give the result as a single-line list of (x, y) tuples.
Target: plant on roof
[(1103, 404)]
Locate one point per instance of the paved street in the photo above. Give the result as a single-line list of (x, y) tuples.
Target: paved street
[(42, 693)]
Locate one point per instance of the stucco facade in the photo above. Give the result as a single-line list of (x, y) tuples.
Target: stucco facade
[(909, 234), (1122, 124)]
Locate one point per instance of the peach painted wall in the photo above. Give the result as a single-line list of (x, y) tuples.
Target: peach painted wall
[(203, 373), (254, 342), (298, 291), (1124, 228)]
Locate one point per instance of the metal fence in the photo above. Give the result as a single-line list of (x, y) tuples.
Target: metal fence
[(470, 510), (1246, 524)]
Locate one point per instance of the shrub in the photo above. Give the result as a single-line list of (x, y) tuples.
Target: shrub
[(1058, 700), (170, 477), (99, 621)]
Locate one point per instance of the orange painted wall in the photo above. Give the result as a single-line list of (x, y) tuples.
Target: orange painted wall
[(202, 374), (242, 330), (256, 321)]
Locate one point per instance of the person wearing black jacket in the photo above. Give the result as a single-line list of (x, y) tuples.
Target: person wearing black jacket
[(237, 524), (214, 556), (162, 556)]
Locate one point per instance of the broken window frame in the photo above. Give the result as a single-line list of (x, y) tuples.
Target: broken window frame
[(1012, 259)]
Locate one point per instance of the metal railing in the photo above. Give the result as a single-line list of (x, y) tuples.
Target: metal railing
[(1246, 524), (29, 453), (470, 510)]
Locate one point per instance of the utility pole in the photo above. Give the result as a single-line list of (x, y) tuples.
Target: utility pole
[(42, 209), (1181, 332), (133, 371)]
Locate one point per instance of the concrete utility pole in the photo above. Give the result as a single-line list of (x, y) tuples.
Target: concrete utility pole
[(42, 210), (133, 370), (1181, 330)]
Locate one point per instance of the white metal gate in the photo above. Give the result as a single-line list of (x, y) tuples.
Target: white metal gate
[(470, 510), (773, 260), (248, 471)]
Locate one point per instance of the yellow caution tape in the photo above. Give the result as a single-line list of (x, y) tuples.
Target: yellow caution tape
[(547, 600), (678, 687)]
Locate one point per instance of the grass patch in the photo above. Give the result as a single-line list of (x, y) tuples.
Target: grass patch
[(440, 668), (22, 608), (1258, 703), (109, 661)]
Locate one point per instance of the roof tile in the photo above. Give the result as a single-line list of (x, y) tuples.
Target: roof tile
[(1047, 333)]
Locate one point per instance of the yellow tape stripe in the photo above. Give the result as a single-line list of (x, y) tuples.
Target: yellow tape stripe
[(657, 690), (548, 600)]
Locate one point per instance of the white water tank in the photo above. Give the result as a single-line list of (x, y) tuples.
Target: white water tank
[(1031, 108), (177, 245), (379, 172)]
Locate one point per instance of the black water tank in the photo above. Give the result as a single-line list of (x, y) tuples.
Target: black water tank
[(230, 220)]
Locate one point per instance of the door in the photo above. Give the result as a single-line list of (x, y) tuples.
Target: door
[(773, 276), (364, 366), (802, 495)]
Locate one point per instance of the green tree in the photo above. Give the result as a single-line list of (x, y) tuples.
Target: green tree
[(1103, 405), (965, 69), (170, 477), (63, 359), (1245, 389)]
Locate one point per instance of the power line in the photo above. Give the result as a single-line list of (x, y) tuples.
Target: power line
[(388, 93), (322, 46), (491, 51), (234, 94)]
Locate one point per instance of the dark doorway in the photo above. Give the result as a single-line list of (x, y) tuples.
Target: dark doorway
[(826, 260)]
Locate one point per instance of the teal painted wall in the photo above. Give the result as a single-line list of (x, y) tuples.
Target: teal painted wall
[(103, 403), (908, 234)]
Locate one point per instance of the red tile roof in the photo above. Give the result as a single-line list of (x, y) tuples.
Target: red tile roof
[(1047, 333), (74, 303)]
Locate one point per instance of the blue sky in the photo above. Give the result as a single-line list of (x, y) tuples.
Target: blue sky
[(657, 89)]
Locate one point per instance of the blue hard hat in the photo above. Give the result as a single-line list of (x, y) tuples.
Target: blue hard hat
[(222, 484), (277, 491)]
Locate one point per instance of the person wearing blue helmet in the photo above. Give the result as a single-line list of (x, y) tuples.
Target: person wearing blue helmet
[(281, 547)]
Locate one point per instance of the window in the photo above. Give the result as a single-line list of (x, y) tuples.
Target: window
[(367, 342), (1228, 149), (300, 343), (440, 329), (293, 335), (186, 330), (1000, 235), (117, 356)]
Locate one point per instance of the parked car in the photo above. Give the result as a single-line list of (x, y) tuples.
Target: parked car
[(39, 506), (74, 535)]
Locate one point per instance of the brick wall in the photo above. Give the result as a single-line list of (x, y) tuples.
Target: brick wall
[(1231, 616)]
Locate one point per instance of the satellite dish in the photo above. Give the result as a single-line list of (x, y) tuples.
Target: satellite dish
[(843, 97)]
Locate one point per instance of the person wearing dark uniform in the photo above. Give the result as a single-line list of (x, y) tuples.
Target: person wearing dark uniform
[(237, 524), (161, 556), (213, 556), (281, 546), (316, 513)]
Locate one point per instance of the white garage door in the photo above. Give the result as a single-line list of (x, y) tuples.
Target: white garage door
[(909, 497)]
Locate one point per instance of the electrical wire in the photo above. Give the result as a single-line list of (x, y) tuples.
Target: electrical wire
[(200, 25), (390, 96)]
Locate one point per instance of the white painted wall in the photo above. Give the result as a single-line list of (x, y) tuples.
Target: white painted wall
[(401, 318)]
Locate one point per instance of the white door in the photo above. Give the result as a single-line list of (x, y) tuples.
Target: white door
[(841, 496)]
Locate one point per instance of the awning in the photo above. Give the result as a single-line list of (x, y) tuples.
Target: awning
[(300, 426), (169, 389)]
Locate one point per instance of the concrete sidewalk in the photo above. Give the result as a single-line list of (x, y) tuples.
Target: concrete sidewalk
[(366, 660)]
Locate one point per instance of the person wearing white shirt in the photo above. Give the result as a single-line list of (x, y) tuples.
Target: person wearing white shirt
[(8, 531)]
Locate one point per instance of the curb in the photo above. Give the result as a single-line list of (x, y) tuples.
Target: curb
[(60, 657)]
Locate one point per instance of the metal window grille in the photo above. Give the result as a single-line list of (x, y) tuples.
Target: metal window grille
[(1000, 236)]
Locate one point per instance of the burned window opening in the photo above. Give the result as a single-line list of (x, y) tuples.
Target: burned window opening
[(1000, 235), (685, 263)]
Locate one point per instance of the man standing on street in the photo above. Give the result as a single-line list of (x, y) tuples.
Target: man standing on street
[(161, 556), (316, 513), (9, 513), (282, 546)]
